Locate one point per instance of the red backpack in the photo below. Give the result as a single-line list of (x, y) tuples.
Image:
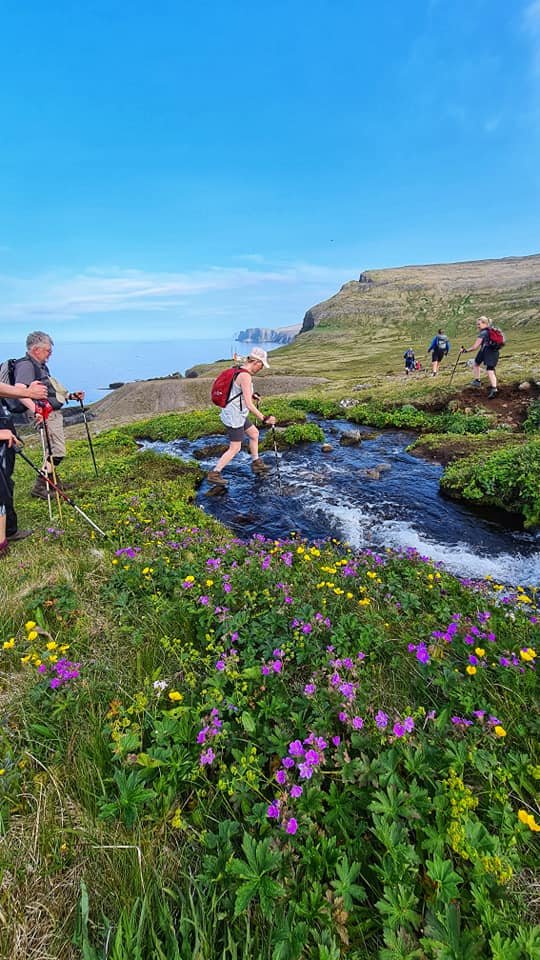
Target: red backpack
[(222, 385), (496, 337)]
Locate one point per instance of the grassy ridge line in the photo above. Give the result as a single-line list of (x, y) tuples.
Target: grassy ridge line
[(112, 767)]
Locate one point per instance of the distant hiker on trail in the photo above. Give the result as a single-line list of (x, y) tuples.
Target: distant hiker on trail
[(410, 361), (439, 348), (236, 406), (488, 343), (33, 366), (8, 517)]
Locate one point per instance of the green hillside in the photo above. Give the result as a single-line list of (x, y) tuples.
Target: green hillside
[(365, 327)]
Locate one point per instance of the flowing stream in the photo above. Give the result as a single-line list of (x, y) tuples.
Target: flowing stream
[(328, 495)]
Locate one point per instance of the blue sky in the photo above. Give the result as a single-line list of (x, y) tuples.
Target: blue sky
[(183, 169)]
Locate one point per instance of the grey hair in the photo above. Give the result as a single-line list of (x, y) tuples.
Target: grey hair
[(37, 338)]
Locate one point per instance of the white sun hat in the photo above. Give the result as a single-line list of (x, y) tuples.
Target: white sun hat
[(259, 354)]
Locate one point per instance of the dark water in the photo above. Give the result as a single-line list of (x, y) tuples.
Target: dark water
[(326, 495)]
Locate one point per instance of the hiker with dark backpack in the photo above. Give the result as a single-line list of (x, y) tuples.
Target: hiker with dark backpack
[(33, 366), (410, 360), (439, 348), (8, 517), (488, 343), (233, 392)]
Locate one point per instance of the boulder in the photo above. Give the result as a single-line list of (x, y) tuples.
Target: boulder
[(348, 402), (210, 450), (216, 491), (351, 439), (327, 448), (525, 386), (370, 474), (383, 467)]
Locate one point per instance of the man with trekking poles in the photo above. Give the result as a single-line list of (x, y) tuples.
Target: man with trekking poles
[(233, 392), (33, 366)]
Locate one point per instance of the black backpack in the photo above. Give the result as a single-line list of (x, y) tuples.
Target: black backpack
[(7, 375)]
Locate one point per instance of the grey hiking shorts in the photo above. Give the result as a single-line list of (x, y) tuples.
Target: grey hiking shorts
[(236, 434)]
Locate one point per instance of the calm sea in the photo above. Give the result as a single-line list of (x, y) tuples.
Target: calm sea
[(93, 366)]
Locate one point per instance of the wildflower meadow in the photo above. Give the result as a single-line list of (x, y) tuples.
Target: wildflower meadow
[(217, 748)]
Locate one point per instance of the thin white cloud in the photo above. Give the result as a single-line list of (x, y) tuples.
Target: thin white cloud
[(215, 289)]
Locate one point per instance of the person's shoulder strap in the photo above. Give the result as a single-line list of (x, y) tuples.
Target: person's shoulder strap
[(38, 373)]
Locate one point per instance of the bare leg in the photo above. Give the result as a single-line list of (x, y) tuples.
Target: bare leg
[(492, 377), (234, 447), (253, 436)]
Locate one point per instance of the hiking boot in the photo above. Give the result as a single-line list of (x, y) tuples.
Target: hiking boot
[(492, 393), (215, 476), (475, 383), (40, 489), (259, 466), (4, 549), (19, 535)]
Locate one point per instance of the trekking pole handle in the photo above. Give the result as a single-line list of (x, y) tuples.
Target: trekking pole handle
[(43, 408)]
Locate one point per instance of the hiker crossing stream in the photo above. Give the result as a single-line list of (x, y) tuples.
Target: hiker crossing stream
[(372, 495)]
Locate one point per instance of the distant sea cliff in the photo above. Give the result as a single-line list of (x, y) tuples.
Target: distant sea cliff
[(267, 335)]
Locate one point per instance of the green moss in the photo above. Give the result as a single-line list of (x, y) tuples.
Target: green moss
[(408, 417), (299, 433), (508, 478)]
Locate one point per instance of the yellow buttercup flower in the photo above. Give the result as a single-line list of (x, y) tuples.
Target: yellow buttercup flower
[(471, 670), (175, 696), (500, 731), (480, 652), (32, 635), (9, 644), (30, 624), (528, 820)]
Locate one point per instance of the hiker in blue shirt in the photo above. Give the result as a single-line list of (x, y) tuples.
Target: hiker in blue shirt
[(439, 348), (410, 361)]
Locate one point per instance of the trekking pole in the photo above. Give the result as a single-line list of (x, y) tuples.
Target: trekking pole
[(90, 444), (61, 493), (46, 472), (45, 409), (455, 366), (274, 441)]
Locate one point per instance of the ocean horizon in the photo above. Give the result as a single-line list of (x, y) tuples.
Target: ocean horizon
[(93, 366)]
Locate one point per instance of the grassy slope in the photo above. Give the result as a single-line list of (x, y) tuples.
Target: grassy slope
[(101, 783)]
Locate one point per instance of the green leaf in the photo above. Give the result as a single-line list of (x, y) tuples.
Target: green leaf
[(244, 895), (444, 877), (248, 722)]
